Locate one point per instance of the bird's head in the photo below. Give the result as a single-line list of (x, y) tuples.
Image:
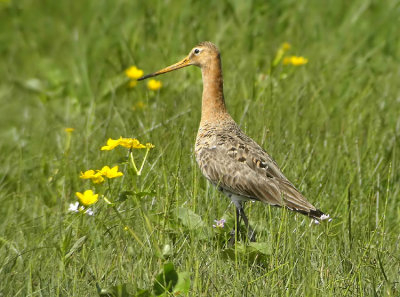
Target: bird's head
[(201, 55)]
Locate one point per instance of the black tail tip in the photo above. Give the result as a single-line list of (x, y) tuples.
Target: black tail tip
[(319, 216)]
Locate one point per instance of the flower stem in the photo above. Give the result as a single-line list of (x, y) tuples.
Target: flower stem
[(144, 160), (133, 163), (126, 227)]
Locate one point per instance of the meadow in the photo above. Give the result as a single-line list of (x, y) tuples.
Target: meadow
[(332, 124)]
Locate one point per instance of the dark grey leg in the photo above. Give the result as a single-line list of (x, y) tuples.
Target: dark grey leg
[(250, 231), (235, 230)]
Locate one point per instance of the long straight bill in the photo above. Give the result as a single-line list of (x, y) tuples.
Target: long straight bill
[(185, 62)]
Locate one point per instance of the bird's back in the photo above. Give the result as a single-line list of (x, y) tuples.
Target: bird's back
[(238, 166)]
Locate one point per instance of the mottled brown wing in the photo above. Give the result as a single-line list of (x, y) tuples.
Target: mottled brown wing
[(251, 174), (236, 177)]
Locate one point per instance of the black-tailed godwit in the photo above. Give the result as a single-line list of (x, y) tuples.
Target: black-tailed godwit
[(227, 157)]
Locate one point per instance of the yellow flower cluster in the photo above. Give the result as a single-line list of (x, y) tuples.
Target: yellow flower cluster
[(133, 73), (295, 60), (88, 198), (291, 60), (97, 176), (130, 143)]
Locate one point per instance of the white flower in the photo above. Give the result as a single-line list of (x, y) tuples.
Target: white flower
[(219, 223), (74, 207), (89, 212)]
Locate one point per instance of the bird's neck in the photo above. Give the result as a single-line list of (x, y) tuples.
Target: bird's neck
[(213, 103)]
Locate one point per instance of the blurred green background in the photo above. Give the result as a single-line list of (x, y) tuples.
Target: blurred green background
[(333, 125)]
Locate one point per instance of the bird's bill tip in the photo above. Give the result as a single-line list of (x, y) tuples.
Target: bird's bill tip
[(183, 63)]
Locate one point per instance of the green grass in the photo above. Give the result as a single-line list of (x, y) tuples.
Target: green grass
[(333, 125)]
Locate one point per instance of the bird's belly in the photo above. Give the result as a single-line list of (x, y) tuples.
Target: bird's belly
[(236, 199)]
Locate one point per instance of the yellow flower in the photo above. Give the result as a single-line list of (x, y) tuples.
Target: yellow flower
[(97, 178), (110, 173), (133, 72), (149, 145), (139, 105), (295, 61), (154, 85), (131, 143), (111, 144), (280, 53), (69, 130), (87, 198), (132, 83), (87, 174), (90, 174), (285, 46)]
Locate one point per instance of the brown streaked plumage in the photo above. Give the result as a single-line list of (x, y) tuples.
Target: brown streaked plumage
[(227, 157)]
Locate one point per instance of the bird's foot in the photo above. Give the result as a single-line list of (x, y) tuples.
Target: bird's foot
[(251, 235), (235, 236)]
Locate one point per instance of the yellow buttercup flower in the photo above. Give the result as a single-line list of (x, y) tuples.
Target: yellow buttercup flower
[(285, 46), (132, 83), (111, 144), (154, 85), (110, 172), (69, 130), (96, 178), (139, 105), (87, 174), (133, 72), (295, 60), (87, 198), (131, 143), (280, 53), (149, 145)]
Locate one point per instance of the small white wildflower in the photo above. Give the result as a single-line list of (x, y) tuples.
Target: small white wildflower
[(74, 207), (89, 212), (219, 223)]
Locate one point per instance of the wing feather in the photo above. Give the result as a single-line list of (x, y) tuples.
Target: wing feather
[(240, 166)]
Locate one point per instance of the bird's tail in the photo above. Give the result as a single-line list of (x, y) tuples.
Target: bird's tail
[(316, 214)]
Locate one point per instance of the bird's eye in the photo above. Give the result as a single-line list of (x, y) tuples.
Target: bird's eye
[(196, 51)]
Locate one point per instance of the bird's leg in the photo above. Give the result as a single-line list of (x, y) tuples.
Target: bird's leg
[(250, 231), (235, 230)]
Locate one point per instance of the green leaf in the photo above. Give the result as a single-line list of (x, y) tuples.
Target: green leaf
[(124, 194), (143, 293), (35, 85), (264, 248), (167, 250), (254, 251), (183, 284), (77, 245), (115, 291), (166, 280), (189, 219), (144, 193)]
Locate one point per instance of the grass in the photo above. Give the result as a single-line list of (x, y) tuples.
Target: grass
[(333, 125)]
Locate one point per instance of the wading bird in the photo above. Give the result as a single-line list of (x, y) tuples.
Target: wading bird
[(227, 157)]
